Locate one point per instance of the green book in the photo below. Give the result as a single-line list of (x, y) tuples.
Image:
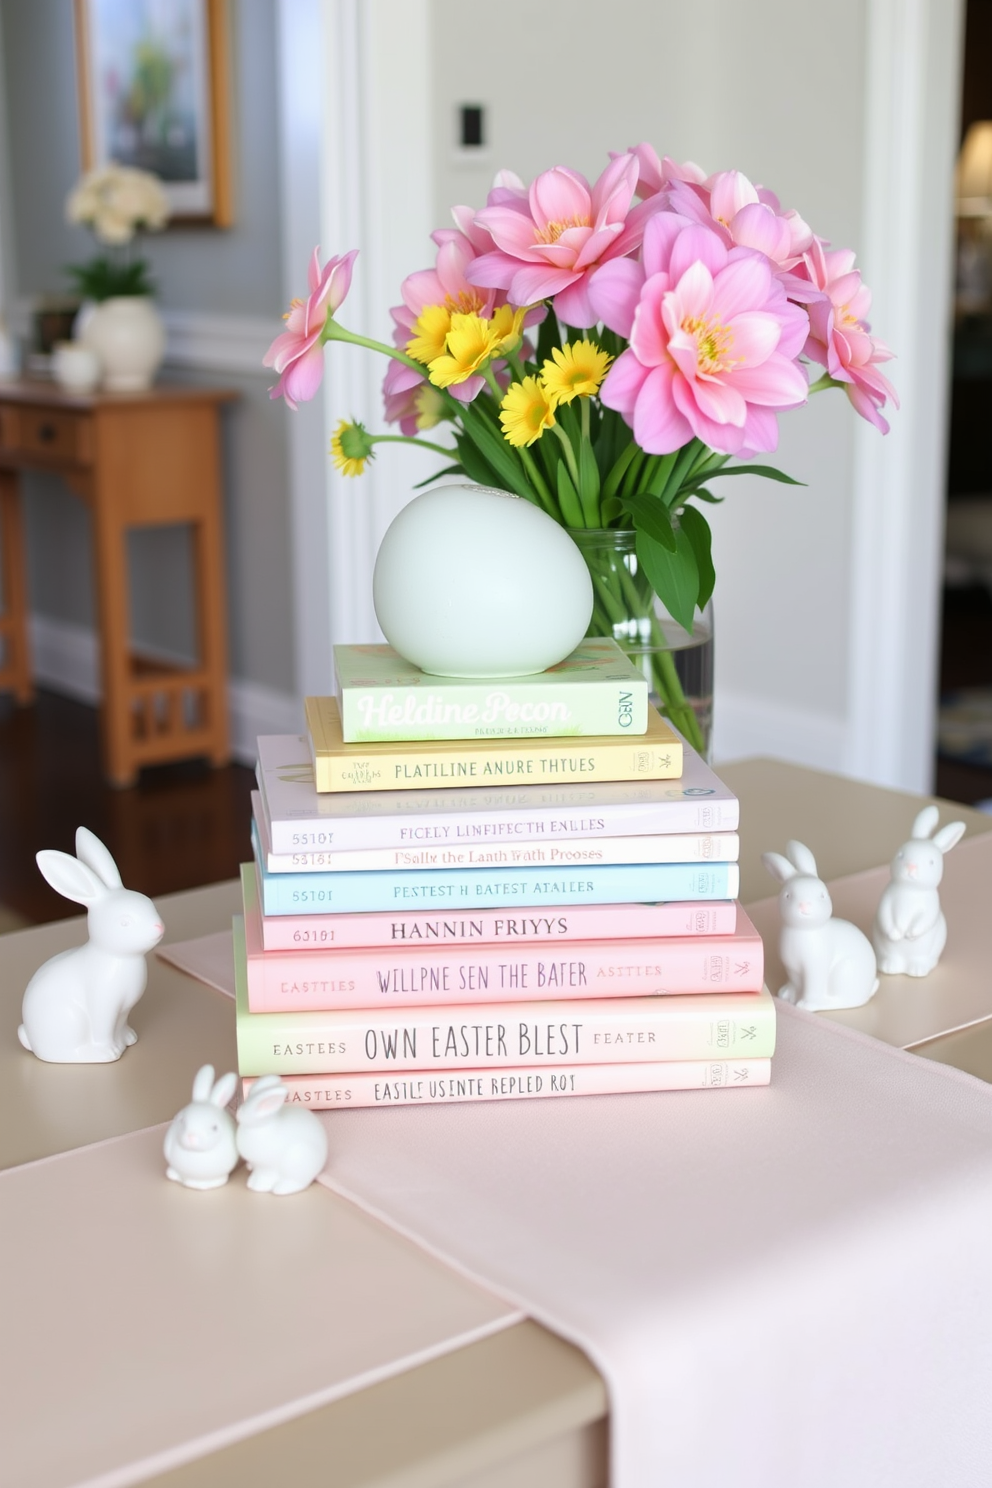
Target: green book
[(384, 699)]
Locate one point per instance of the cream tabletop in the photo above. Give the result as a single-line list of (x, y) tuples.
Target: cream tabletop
[(519, 1407)]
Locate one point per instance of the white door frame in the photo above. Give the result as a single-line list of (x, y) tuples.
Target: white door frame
[(912, 111), (356, 157)]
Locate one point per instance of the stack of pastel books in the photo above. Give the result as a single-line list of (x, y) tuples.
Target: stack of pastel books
[(490, 890)]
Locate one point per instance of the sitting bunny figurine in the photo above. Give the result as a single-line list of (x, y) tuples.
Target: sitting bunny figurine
[(910, 931), (200, 1145), (285, 1147), (76, 1005), (829, 962)]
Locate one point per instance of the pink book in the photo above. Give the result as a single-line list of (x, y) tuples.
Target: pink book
[(424, 927), (416, 976), (343, 1092)]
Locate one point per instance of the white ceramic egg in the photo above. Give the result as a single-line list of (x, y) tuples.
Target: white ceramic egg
[(472, 582)]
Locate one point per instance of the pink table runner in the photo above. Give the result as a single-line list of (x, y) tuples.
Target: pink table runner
[(783, 1288)]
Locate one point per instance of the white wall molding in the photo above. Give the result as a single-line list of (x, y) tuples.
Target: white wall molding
[(216, 343), (220, 343), (66, 658), (912, 100), (746, 726)]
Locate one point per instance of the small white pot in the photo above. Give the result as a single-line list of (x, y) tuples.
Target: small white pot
[(128, 336), (471, 582)]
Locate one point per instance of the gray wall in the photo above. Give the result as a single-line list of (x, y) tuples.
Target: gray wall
[(236, 272)]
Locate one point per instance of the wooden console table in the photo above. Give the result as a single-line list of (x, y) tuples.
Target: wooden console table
[(137, 460)]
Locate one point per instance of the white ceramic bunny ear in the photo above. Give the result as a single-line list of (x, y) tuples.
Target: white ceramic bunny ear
[(224, 1089), (203, 1082), (91, 851), (778, 866), (949, 836), (799, 853), (925, 823), (260, 1105), (69, 877)]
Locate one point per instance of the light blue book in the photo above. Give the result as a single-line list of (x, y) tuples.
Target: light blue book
[(487, 888)]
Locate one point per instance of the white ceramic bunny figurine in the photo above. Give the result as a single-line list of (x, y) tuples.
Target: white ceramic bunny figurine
[(285, 1146), (76, 1005), (830, 962), (910, 931), (200, 1145)]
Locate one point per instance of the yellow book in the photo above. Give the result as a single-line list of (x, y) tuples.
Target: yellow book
[(435, 763)]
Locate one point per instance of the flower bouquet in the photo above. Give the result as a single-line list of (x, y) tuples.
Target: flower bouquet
[(116, 202), (605, 351)]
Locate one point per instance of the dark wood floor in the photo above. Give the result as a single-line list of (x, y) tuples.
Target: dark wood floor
[(181, 826)]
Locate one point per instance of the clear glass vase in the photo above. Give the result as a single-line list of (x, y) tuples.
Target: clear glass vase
[(678, 666)]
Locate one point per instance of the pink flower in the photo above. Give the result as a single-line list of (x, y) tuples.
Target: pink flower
[(656, 174), (549, 242), (839, 333), (298, 353), (713, 342), (745, 215)]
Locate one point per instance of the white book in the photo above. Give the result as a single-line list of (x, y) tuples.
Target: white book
[(302, 821)]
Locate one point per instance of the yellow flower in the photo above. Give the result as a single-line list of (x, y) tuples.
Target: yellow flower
[(429, 405), (429, 332), (508, 326), (576, 371), (351, 448), (525, 412), (470, 344)]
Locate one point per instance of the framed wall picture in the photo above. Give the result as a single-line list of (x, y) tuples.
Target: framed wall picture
[(154, 93)]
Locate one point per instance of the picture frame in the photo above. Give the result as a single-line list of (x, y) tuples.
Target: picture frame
[(154, 92)]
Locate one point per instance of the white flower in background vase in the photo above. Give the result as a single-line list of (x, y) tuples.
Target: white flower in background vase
[(119, 320)]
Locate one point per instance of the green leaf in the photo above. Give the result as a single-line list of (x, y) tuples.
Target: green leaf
[(674, 576), (697, 530), (702, 495), (547, 339), (768, 471), (476, 468), (685, 460), (588, 478), (495, 451), (653, 517), (609, 509), (656, 474), (448, 470), (568, 498)]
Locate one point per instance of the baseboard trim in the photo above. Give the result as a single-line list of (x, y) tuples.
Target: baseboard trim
[(747, 726), (66, 659)]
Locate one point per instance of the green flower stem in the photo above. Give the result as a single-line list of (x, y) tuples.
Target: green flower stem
[(516, 366), (667, 684), (538, 482), (440, 449), (570, 460), (617, 596), (335, 332), (822, 383)]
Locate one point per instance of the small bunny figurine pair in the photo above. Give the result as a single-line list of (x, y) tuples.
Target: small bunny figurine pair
[(910, 931), (830, 963), (76, 1005), (285, 1147)]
